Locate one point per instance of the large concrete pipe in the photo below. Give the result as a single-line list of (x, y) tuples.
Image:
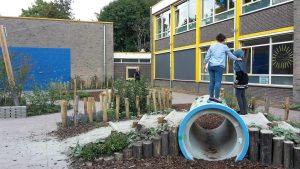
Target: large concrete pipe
[(230, 139)]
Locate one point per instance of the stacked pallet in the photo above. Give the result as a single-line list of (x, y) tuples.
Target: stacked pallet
[(12, 112)]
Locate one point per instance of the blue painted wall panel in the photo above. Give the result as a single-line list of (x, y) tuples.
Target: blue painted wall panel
[(47, 64)]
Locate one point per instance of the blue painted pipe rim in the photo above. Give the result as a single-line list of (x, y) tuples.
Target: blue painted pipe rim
[(219, 107)]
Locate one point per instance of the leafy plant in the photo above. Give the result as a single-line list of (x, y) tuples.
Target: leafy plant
[(231, 101), (272, 117), (287, 134), (111, 113)]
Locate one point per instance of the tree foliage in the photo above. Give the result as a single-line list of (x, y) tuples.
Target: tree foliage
[(131, 23), (59, 9)]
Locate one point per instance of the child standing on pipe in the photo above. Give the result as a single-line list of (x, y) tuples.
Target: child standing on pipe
[(214, 61), (241, 82)]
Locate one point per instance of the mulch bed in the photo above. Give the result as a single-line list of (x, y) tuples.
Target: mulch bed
[(177, 162), (180, 107), (64, 133)]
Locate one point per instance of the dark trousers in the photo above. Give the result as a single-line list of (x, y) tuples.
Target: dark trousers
[(241, 98)]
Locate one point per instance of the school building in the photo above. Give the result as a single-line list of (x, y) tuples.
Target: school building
[(183, 30)]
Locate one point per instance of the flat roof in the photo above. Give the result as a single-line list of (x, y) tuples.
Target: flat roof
[(53, 19), (132, 55)]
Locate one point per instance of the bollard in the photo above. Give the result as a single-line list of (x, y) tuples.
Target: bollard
[(64, 105), (117, 107)]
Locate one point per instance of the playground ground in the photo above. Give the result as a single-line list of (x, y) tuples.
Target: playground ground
[(26, 143)]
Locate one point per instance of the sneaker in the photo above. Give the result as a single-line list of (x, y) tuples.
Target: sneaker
[(215, 100)]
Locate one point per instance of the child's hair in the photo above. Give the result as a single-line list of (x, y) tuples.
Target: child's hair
[(220, 37)]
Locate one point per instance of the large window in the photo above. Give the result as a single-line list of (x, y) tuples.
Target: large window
[(271, 60), (216, 10), (185, 16), (253, 5), (163, 25)]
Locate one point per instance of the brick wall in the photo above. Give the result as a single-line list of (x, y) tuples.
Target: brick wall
[(272, 18), (184, 39), (296, 91), (209, 33), (85, 39), (120, 70)]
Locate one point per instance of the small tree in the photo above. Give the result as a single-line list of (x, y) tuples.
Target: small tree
[(59, 9)]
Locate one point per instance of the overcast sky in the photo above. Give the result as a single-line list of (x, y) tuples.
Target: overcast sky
[(82, 9)]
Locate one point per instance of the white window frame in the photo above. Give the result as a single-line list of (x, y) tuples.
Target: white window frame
[(131, 67), (271, 5), (188, 22), (214, 14), (270, 75), (160, 17)]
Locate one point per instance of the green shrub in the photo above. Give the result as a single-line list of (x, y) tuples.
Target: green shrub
[(231, 101), (287, 134), (271, 117), (130, 89), (115, 142)]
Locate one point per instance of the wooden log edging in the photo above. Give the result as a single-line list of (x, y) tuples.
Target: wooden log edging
[(254, 144), (266, 138)]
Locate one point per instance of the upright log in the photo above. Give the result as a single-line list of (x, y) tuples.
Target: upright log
[(109, 97), (160, 108), (90, 109), (85, 105), (101, 102), (288, 154), (117, 107), (173, 141), (156, 146), (253, 103), (60, 90), (94, 105), (164, 143), (104, 104), (154, 100), (222, 93), (127, 108), (148, 103), (266, 138), (286, 108), (170, 99), (296, 157), (137, 150), (267, 104), (127, 153), (147, 149), (75, 88), (76, 104), (254, 144), (278, 151), (63, 111), (163, 96), (167, 97), (138, 108)]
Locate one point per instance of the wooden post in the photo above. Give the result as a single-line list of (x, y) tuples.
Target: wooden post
[(253, 103), (254, 144), (164, 143), (163, 93), (60, 90), (7, 64), (147, 149), (75, 88), (170, 99), (104, 113), (85, 105), (127, 108), (101, 102), (117, 107), (173, 142), (137, 150), (154, 100), (81, 85), (90, 109), (278, 151), (222, 93), (156, 146), (159, 102), (109, 97), (138, 108), (288, 154), (286, 108), (148, 103), (127, 153), (267, 104), (63, 111), (94, 105), (296, 157), (266, 138), (167, 97), (76, 104), (118, 156)]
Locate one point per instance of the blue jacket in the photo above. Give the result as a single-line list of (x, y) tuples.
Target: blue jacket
[(240, 65), (216, 55)]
